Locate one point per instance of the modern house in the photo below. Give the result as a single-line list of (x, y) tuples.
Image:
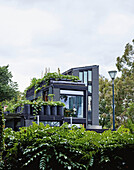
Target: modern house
[(89, 75), (81, 99)]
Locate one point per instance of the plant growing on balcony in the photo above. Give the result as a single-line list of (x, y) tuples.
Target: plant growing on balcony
[(37, 104), (59, 103), (12, 107), (51, 97), (47, 77)]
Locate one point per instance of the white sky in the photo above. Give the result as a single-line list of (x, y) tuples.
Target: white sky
[(35, 34)]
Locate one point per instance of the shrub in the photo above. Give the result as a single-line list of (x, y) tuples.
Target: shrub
[(45, 147)]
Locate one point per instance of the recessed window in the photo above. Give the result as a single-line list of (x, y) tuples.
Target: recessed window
[(81, 76), (89, 75), (73, 101), (85, 77), (89, 108), (90, 88), (71, 92)]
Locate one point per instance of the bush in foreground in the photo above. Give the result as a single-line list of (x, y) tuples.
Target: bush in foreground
[(45, 147)]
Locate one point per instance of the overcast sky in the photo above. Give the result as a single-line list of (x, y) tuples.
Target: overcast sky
[(35, 34)]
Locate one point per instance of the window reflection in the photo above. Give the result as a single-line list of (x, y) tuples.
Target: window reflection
[(89, 108), (85, 77), (89, 75), (90, 88), (81, 76), (74, 104)]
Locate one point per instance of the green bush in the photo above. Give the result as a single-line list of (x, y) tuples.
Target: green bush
[(45, 147)]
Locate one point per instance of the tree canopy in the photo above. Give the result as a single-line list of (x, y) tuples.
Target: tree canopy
[(8, 88), (124, 90)]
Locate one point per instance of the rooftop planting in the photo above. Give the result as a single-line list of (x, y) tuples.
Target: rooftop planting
[(47, 77)]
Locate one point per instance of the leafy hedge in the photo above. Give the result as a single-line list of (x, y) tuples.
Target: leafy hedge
[(45, 147)]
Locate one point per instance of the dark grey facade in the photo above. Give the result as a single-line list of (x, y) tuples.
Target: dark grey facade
[(82, 96), (90, 76), (81, 100)]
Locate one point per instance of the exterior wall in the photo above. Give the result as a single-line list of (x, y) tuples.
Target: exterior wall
[(56, 91), (95, 92), (95, 96), (28, 122), (76, 72), (91, 85), (9, 123)]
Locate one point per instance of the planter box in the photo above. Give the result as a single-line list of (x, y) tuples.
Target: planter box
[(47, 110), (42, 111), (26, 109), (60, 110), (19, 109), (54, 110)]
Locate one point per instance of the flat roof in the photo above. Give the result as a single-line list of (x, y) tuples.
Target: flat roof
[(80, 68)]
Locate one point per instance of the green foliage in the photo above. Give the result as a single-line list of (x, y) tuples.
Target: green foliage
[(8, 88), (130, 115), (70, 113), (1, 135), (125, 63), (130, 112), (35, 104), (47, 77), (59, 103), (51, 96), (45, 147), (1, 128), (12, 106), (105, 102), (124, 91)]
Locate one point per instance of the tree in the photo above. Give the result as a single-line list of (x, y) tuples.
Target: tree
[(124, 90), (8, 88), (125, 63), (105, 100), (1, 134), (125, 84)]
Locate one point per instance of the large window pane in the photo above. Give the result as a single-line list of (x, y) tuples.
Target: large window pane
[(81, 76), (74, 104), (72, 92), (85, 77), (90, 88), (89, 108), (89, 75)]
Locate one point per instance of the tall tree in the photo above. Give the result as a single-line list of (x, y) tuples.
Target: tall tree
[(124, 90), (125, 84), (8, 88), (105, 100)]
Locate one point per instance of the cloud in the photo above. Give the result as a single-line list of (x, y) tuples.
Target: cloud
[(38, 34), (117, 24), (18, 27)]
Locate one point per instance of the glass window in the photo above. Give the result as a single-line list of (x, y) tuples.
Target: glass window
[(90, 88), (81, 76), (72, 92), (89, 108), (85, 77), (74, 104), (51, 123), (89, 75)]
